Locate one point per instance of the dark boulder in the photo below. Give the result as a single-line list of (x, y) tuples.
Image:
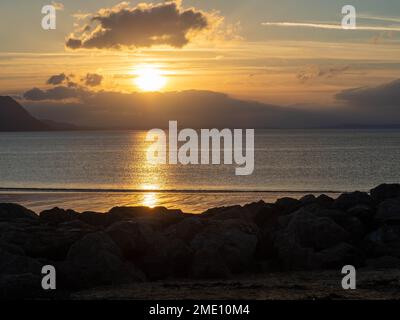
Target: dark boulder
[(338, 256), (288, 205), (56, 215), (233, 240), (141, 244), (325, 201), (14, 261), (389, 211), (310, 230), (159, 216), (209, 264), (11, 211), (363, 212), (348, 200), (96, 219), (185, 230), (385, 191), (95, 260), (384, 241), (385, 262)]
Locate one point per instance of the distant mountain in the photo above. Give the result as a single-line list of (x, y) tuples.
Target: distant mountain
[(13, 117)]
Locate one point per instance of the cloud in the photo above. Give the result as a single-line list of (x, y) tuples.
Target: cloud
[(93, 79), (145, 25), (57, 79), (58, 5), (387, 94), (316, 72), (56, 93), (329, 26)]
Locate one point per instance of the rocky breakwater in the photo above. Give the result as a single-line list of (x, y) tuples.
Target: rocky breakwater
[(136, 244)]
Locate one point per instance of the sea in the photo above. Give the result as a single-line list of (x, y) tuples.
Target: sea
[(98, 170)]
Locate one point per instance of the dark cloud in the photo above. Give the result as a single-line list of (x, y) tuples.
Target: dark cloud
[(57, 79), (319, 72), (56, 93), (142, 26), (384, 95), (93, 79)]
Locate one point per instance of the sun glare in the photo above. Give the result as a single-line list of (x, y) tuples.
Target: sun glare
[(149, 78)]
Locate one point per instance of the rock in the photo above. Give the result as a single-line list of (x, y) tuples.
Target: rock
[(384, 241), (53, 243), (267, 217), (363, 212), (142, 245), (185, 230), (267, 221), (288, 205), (95, 218), (234, 240), (10, 211), (95, 260), (389, 211), (385, 191), (348, 200), (351, 224), (315, 232), (56, 215), (209, 264), (291, 255), (308, 199), (132, 237), (338, 256), (180, 258), (14, 261), (325, 201), (385, 262), (160, 215)]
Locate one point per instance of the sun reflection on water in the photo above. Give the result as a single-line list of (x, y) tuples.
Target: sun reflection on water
[(150, 200)]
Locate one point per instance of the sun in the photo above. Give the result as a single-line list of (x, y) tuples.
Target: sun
[(149, 78)]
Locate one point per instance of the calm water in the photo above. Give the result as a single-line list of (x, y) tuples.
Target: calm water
[(286, 162)]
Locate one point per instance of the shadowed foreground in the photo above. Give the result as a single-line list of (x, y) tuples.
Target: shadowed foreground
[(260, 251)]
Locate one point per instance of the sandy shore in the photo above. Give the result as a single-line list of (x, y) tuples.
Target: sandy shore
[(371, 285)]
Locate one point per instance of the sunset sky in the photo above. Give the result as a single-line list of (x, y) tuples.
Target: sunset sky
[(236, 47)]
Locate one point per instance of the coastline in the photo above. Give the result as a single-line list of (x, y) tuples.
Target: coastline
[(286, 249)]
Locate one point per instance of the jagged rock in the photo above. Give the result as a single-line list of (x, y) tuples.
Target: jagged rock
[(348, 200), (11, 211), (385, 191), (389, 211)]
